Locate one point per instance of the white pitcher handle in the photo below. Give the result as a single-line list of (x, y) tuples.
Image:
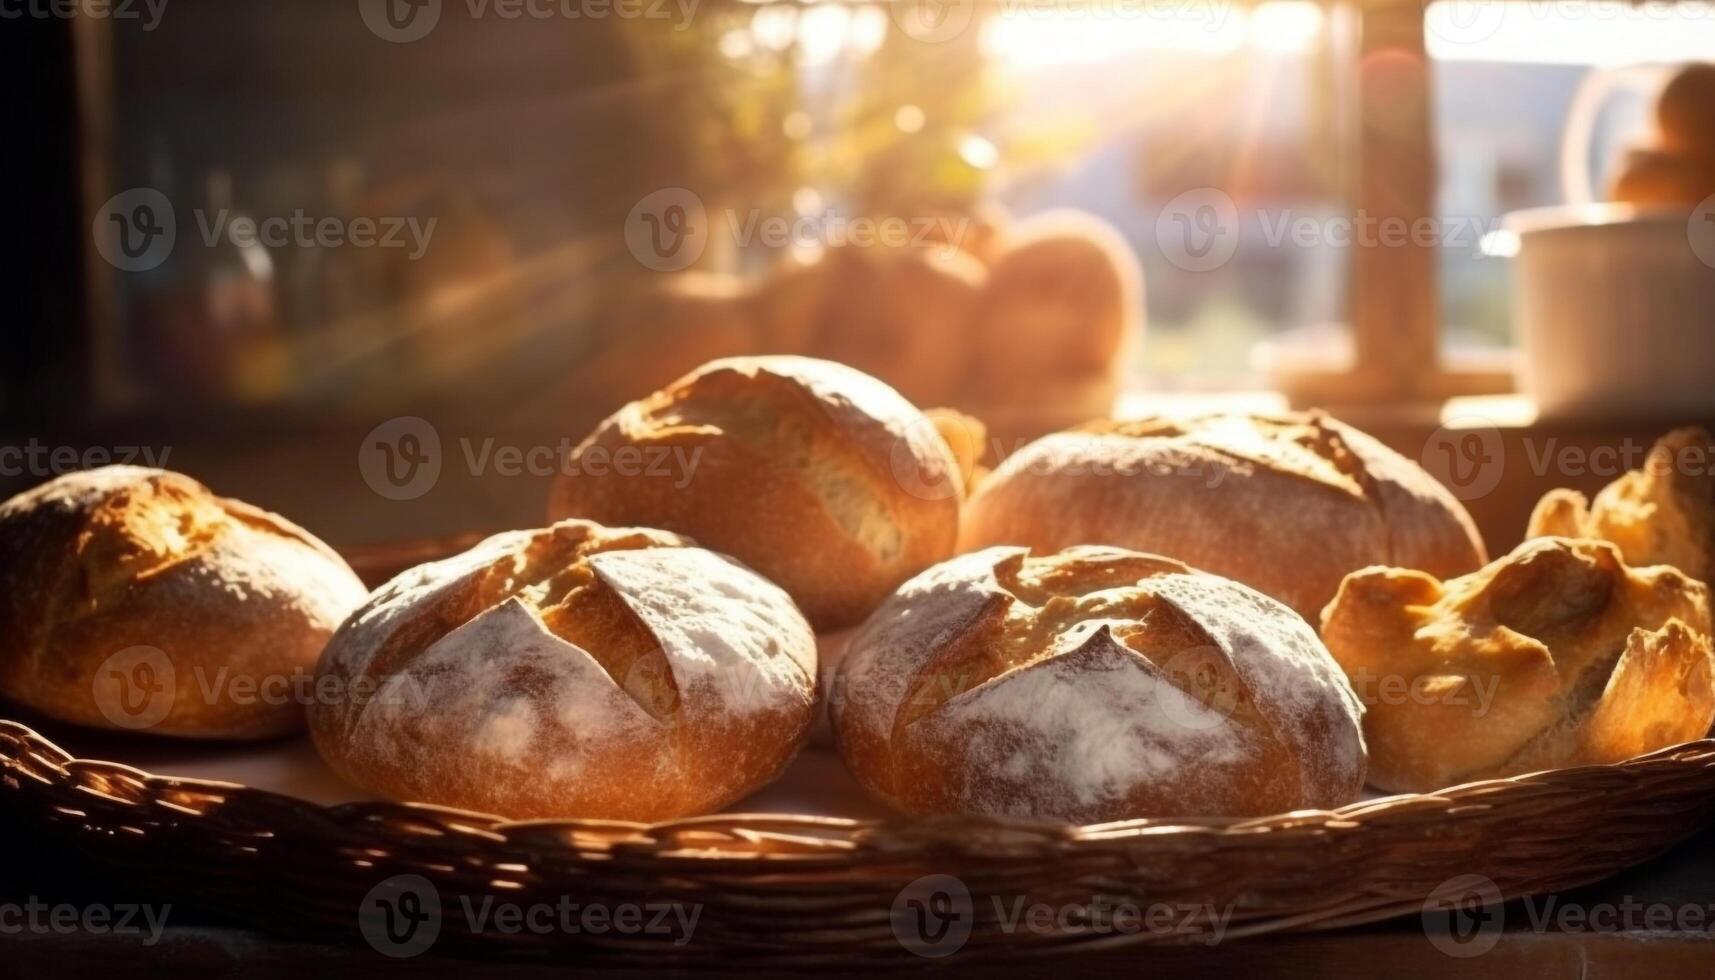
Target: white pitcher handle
[(1577, 177)]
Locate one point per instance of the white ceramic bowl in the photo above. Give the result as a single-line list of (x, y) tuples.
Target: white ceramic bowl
[(1615, 307)]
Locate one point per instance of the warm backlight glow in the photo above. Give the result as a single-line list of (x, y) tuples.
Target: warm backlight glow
[(1024, 37), (1600, 34)]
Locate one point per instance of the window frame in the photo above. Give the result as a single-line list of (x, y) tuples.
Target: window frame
[(1395, 314)]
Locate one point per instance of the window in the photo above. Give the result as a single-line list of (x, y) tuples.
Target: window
[(1312, 189), (1531, 98)]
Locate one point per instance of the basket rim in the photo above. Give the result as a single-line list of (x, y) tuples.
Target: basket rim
[(800, 889), (1700, 752)]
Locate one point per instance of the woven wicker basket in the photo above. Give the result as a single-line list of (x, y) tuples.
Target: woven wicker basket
[(790, 889)]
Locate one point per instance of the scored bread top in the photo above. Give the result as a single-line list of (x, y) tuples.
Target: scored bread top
[(98, 561), (1091, 685), (1285, 503), (1557, 654), (598, 663)]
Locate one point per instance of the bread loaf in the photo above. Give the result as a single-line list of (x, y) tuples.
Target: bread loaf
[(1556, 655), (135, 598), (1286, 504), (818, 476), (574, 671), (1092, 685)]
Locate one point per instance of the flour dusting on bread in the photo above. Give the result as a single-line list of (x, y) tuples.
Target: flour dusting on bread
[(572, 671), (1091, 685)]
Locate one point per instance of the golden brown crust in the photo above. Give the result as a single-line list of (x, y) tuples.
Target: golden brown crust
[(137, 599), (1661, 514), (967, 438), (1286, 504), (1093, 685), (1555, 655), (574, 671), (818, 476)]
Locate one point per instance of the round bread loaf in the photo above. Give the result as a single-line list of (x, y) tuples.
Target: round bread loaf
[(818, 476), (1285, 504), (1556, 655), (574, 671), (135, 599), (1093, 685)]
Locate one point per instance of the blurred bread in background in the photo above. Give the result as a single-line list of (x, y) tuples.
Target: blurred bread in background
[(1024, 324), (1678, 167), (656, 336), (790, 301), (905, 316), (1654, 177), (1685, 113), (977, 231), (1064, 296)]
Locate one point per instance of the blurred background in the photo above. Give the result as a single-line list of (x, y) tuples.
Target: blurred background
[(257, 230)]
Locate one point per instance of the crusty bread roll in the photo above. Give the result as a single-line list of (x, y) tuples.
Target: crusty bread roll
[(574, 671), (134, 598), (1285, 504), (1556, 655), (818, 476), (1661, 514), (1093, 685)]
